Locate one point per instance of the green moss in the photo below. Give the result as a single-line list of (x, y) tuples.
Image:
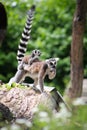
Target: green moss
[(13, 85)]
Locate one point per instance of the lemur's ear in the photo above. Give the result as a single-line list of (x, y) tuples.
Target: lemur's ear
[(47, 60), (57, 59)]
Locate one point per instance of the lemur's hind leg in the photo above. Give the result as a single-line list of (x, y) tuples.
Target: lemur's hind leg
[(18, 78), (35, 85)]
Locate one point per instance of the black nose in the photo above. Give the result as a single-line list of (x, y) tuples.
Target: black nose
[(53, 66)]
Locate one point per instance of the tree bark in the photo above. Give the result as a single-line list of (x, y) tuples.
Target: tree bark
[(79, 21)]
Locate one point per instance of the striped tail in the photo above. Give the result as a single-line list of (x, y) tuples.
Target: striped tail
[(25, 35)]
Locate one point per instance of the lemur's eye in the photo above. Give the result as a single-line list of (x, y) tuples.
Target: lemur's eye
[(51, 63), (39, 53), (54, 63), (35, 51)]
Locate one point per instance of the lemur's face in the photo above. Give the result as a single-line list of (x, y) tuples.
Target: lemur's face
[(36, 53), (52, 63), (51, 71)]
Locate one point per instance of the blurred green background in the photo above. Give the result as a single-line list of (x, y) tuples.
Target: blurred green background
[(51, 33)]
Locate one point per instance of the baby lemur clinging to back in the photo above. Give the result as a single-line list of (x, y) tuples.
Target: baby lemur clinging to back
[(29, 59)]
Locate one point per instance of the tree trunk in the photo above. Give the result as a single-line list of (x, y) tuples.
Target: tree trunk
[(79, 21)]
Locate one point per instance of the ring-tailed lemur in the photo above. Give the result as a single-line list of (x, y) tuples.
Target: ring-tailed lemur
[(28, 59), (37, 70)]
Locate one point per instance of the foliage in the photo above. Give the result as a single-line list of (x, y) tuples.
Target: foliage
[(62, 120), (51, 33), (47, 120)]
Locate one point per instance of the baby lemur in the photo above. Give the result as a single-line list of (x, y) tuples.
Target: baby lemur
[(29, 59)]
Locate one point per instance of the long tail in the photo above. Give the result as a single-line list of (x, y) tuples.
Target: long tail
[(25, 35)]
